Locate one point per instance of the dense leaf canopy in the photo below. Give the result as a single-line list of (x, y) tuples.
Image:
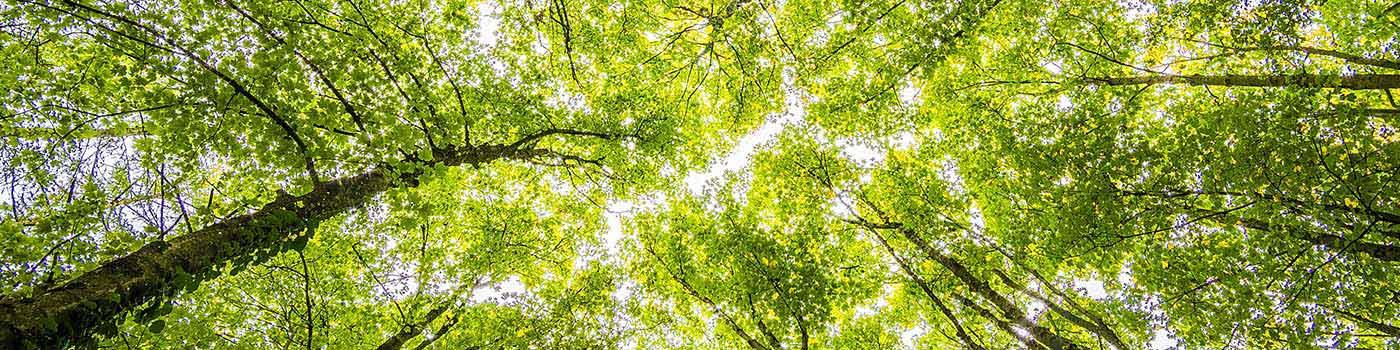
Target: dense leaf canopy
[(760, 174)]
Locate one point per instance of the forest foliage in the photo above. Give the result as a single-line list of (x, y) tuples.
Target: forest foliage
[(664, 174)]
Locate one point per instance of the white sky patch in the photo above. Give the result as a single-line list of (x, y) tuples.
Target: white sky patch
[(1064, 104), (904, 140), (488, 17), (1162, 340), (507, 292), (975, 219), (562, 97), (843, 205), (738, 158), (880, 303), (487, 33), (1125, 275), (619, 210), (909, 94), (1064, 181), (1054, 67), (1035, 309), (909, 338), (1136, 11), (613, 217), (860, 152), (624, 291), (949, 173), (1092, 288), (742, 153), (541, 44)]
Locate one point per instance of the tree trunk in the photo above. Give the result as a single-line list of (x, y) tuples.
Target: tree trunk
[(724, 316), (1352, 82), (1393, 331), (1383, 63), (928, 291), (408, 332), (1008, 309), (1382, 252), (1096, 326), (438, 335), (69, 314)]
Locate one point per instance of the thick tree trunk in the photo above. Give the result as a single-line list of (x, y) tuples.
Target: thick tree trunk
[(1353, 82), (1380, 252), (69, 314)]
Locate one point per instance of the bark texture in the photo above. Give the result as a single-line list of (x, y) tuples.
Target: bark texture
[(1009, 310), (1352, 82), (69, 314), (411, 331)]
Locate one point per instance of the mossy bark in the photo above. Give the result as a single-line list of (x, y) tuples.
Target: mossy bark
[(60, 316), (69, 314)]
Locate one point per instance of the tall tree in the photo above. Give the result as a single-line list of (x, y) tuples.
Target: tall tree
[(587, 174)]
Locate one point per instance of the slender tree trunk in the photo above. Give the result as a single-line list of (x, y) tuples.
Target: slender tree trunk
[(441, 331), (928, 291), (1008, 309), (69, 314), (752, 342), (1097, 327), (1353, 82), (1377, 325), (1001, 323), (410, 331), (1382, 252), (1330, 53)]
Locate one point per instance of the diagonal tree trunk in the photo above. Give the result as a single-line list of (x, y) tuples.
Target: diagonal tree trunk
[(1382, 252), (69, 314), (1352, 82), (1393, 331), (1378, 251), (752, 342), (1093, 324), (411, 331), (442, 330), (942, 307), (1377, 62), (1008, 309)]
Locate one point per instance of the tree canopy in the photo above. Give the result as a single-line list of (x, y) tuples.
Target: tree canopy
[(726, 174)]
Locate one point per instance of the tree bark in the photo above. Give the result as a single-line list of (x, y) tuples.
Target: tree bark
[(1377, 325), (1383, 63), (438, 335), (1008, 309), (1352, 82), (928, 291), (410, 331), (1095, 326), (69, 314), (1382, 252)]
